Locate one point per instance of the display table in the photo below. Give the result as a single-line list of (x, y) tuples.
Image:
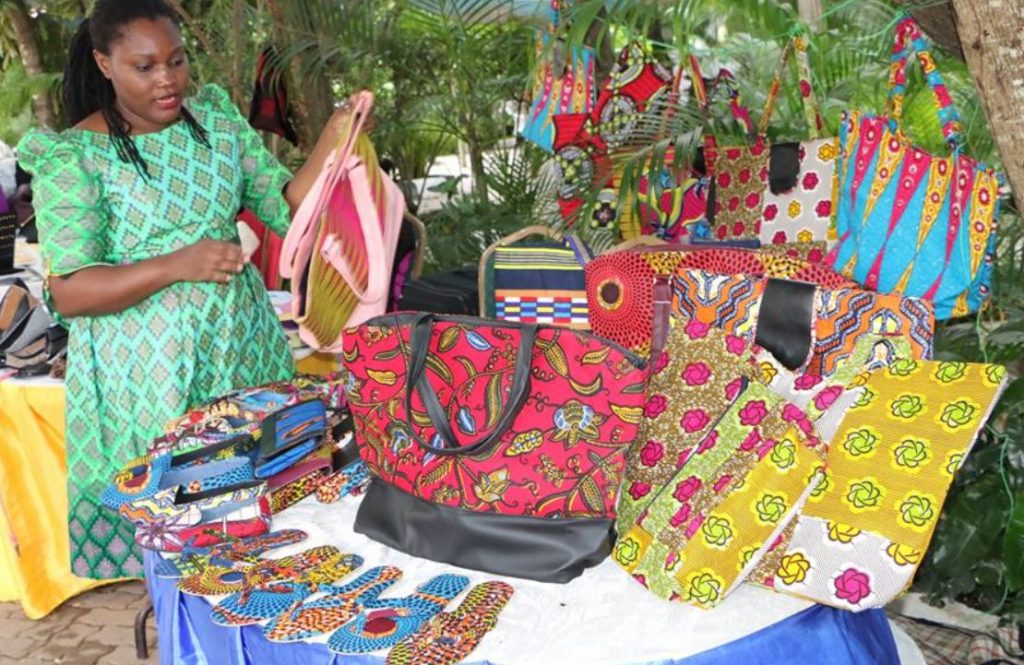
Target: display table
[(602, 617), (34, 546), (34, 568)]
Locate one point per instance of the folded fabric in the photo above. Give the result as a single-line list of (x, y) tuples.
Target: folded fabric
[(695, 379), (193, 560), (451, 636), (302, 425), (267, 602), (706, 528), (289, 457), (328, 613), (242, 412), (170, 519), (386, 621), (859, 541)]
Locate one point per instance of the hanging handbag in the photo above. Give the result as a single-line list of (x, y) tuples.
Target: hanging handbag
[(570, 91), (341, 245), (908, 221), (493, 446), (799, 202), (584, 142), (530, 281)]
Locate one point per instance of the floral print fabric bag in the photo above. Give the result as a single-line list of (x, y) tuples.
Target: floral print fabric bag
[(494, 445)]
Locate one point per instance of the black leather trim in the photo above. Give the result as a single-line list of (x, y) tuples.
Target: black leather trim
[(784, 167), (535, 548), (785, 320), (417, 379)]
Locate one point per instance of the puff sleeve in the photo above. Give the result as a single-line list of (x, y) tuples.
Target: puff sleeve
[(67, 194)]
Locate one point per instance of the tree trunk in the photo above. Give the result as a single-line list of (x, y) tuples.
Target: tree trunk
[(938, 21), (306, 97), (28, 48), (810, 13), (991, 35)]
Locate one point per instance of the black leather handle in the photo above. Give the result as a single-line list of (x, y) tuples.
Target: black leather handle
[(419, 340)]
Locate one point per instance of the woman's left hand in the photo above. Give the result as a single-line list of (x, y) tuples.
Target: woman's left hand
[(340, 117)]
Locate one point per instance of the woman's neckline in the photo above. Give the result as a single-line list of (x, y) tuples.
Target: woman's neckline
[(82, 130)]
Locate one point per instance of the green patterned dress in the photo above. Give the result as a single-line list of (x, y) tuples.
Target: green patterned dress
[(130, 373)]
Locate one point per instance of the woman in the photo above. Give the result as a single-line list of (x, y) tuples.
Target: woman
[(136, 208)]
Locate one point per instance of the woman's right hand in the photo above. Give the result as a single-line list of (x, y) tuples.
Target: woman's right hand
[(208, 261)]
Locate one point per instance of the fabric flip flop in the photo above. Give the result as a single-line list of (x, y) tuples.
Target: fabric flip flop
[(451, 636), (194, 560), (328, 613), (254, 605), (385, 622), (237, 577)]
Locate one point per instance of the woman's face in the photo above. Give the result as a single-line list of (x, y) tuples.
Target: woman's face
[(149, 71)]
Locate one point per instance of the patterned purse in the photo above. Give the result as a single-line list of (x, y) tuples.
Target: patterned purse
[(494, 446), (910, 222), (535, 282), (620, 285), (341, 245), (805, 327), (863, 533), (571, 91), (726, 465), (584, 142)]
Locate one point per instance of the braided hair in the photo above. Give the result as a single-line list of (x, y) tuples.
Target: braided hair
[(85, 88)]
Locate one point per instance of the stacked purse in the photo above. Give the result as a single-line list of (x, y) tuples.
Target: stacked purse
[(226, 467), (31, 342)]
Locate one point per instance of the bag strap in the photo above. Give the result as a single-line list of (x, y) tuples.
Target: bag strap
[(812, 111), (416, 379), (525, 232), (909, 39), (706, 95), (378, 269)]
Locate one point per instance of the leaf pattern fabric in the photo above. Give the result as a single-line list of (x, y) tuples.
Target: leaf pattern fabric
[(564, 452)]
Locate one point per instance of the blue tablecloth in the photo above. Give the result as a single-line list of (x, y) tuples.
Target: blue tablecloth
[(819, 634)]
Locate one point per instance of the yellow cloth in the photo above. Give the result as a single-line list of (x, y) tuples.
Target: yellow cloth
[(33, 487), (320, 364)]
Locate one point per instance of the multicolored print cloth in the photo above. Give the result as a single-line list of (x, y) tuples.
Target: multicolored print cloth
[(754, 460), (840, 316), (564, 450), (859, 541), (907, 221), (242, 412)]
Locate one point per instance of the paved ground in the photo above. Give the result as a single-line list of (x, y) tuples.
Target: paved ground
[(95, 628)]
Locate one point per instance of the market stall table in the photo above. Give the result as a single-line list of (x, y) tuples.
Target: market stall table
[(601, 618), (34, 546)]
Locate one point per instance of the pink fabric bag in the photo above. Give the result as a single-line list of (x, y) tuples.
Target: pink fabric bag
[(340, 248)]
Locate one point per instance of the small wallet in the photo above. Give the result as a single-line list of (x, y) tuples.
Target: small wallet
[(289, 435)]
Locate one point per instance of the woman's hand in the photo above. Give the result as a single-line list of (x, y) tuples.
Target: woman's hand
[(207, 261), (340, 117), (304, 178)]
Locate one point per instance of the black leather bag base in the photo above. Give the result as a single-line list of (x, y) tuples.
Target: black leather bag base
[(785, 320), (534, 548)]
